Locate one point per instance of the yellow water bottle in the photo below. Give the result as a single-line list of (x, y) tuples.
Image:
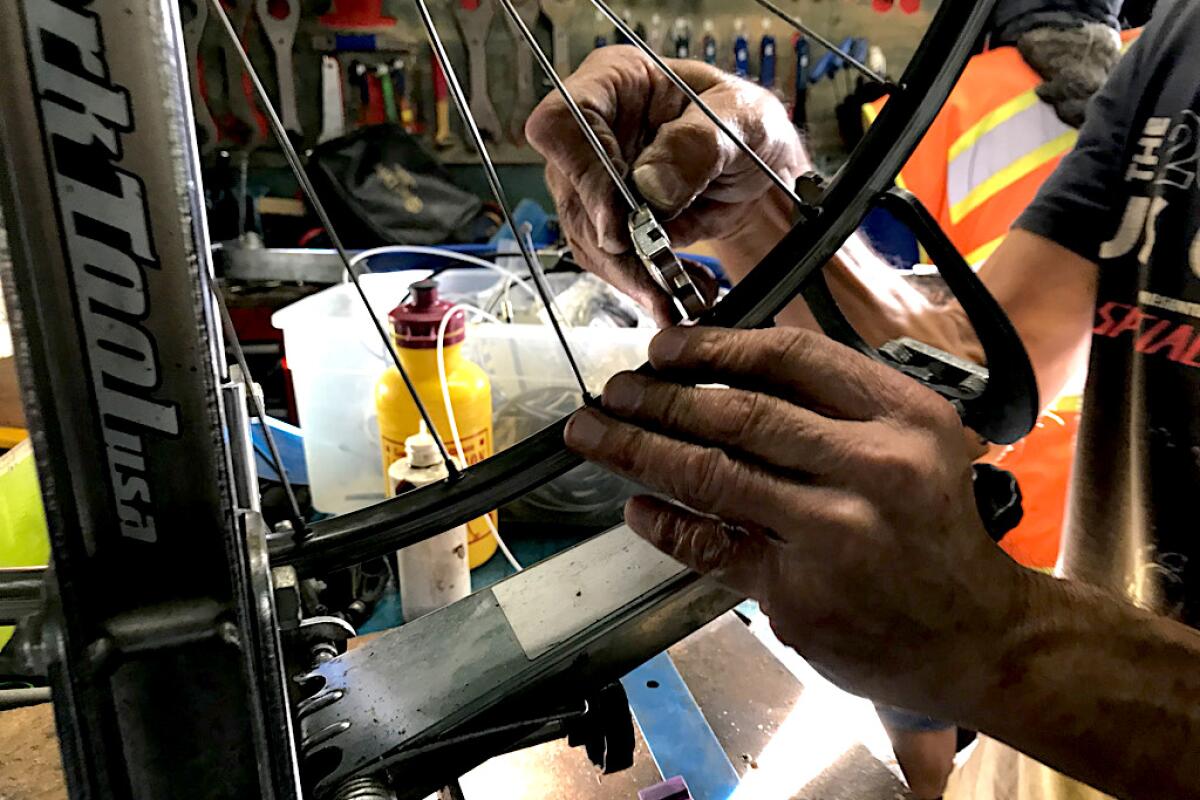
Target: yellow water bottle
[(415, 331)]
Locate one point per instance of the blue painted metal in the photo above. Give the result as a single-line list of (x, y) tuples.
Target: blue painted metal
[(290, 442), (679, 737)]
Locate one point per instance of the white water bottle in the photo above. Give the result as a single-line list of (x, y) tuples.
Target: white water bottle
[(433, 573)]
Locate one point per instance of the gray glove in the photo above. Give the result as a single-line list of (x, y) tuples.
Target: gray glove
[(1074, 62)]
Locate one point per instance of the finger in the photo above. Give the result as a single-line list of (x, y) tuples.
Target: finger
[(801, 366), (735, 557), (765, 428), (703, 478), (690, 156), (624, 271)]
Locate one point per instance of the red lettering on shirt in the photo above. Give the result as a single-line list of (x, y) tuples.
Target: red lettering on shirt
[(1131, 322), (1149, 334), (1189, 358), (1175, 342), (1107, 321)]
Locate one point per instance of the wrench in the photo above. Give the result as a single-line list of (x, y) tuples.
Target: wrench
[(333, 105), (195, 14), (526, 99), (238, 87), (560, 13), (281, 31), (474, 19)]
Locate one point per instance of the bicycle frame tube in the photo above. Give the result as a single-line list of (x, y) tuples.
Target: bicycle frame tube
[(163, 686)]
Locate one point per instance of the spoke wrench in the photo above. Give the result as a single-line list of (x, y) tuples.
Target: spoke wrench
[(526, 97), (281, 31), (560, 13), (474, 19), (195, 13)]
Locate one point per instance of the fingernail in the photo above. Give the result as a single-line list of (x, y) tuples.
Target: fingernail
[(668, 346), (585, 430), (649, 180)]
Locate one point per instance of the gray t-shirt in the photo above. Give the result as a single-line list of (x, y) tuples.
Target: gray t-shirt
[(1127, 198)]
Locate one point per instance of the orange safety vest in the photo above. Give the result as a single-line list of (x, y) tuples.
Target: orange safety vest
[(979, 165), (988, 150)]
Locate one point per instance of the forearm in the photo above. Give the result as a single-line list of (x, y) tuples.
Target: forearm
[(874, 296), (1098, 689)]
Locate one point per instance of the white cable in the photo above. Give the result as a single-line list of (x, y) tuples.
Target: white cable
[(445, 383), (453, 255)]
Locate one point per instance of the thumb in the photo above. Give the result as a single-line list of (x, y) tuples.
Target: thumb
[(684, 157)]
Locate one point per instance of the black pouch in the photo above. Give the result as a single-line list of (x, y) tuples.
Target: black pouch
[(381, 186)]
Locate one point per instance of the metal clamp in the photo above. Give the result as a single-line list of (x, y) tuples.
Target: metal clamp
[(653, 247)]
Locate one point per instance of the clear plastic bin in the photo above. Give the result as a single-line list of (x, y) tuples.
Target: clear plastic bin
[(335, 357)]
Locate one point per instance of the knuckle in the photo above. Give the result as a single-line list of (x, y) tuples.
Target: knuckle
[(787, 346), (705, 476)]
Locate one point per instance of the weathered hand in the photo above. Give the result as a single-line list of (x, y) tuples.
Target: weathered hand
[(681, 163), (830, 488)]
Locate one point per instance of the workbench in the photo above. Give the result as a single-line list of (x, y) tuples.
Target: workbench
[(735, 721)]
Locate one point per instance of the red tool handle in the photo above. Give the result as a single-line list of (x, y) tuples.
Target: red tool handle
[(357, 14)]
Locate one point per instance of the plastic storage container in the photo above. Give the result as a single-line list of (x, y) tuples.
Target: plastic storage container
[(335, 358)]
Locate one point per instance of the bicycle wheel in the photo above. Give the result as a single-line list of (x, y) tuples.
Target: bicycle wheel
[(829, 221), (341, 738)]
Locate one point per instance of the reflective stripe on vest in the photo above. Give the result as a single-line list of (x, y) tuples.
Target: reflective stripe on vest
[(1005, 145)]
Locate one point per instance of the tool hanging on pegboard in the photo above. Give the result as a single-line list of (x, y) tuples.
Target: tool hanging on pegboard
[(333, 100), (741, 49), (710, 43), (526, 90), (800, 97), (195, 20), (244, 127), (683, 38), (767, 58), (280, 19), (474, 19), (560, 13)]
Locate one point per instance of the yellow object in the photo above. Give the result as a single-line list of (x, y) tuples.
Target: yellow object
[(470, 397), (11, 437), (24, 538)]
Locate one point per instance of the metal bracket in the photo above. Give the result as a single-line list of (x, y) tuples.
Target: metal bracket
[(653, 247)]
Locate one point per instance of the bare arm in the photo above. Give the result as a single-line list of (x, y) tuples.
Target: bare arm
[(837, 493), (1048, 291), (1099, 690)]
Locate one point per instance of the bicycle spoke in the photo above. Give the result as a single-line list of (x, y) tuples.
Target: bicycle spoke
[(691, 94), (826, 43), (649, 237), (276, 460), (592, 139), (493, 179), (293, 159)]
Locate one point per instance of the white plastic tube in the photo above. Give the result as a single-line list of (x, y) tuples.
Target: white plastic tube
[(445, 383), (453, 255)]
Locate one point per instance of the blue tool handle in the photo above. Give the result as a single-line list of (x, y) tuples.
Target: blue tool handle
[(766, 64), (800, 101), (824, 67), (741, 57), (683, 46)]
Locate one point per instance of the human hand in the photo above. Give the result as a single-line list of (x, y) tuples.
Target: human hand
[(833, 490), (685, 168)]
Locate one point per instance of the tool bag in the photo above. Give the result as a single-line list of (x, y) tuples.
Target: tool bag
[(381, 186)]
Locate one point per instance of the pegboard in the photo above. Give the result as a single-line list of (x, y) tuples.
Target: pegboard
[(895, 32)]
